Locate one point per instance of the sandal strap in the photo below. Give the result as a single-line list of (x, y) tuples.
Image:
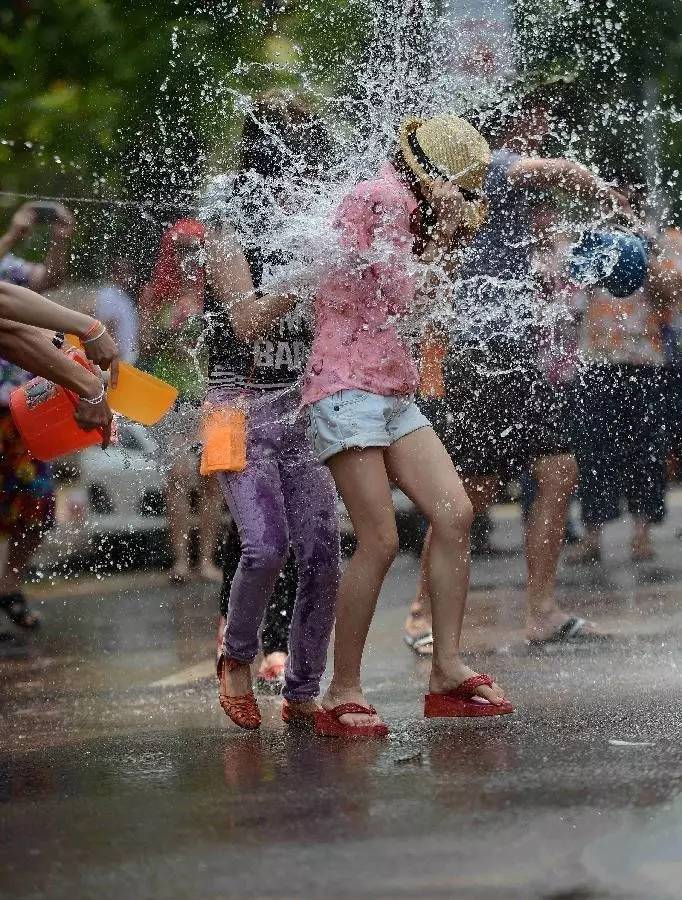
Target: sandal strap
[(229, 663), (243, 701), (344, 709), (468, 688), (422, 640)]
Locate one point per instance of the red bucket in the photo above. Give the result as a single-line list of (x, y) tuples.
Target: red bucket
[(43, 413)]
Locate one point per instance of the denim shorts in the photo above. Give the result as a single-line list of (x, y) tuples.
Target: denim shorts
[(357, 419)]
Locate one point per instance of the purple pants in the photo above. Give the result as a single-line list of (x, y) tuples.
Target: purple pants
[(284, 496)]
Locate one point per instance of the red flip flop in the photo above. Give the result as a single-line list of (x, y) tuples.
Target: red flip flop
[(460, 702), (327, 722)]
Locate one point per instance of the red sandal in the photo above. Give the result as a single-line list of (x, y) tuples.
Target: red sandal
[(243, 710), (327, 722), (291, 715), (460, 702)]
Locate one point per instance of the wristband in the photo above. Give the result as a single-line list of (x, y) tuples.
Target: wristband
[(95, 337), (88, 336), (97, 399)]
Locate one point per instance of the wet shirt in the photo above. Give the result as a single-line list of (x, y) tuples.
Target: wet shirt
[(622, 331), (357, 345), (495, 289), (275, 360), (16, 271)]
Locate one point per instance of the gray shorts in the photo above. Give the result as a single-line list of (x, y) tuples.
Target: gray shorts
[(356, 419)]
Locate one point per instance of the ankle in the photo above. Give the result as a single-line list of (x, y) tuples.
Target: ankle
[(443, 668), (344, 688)]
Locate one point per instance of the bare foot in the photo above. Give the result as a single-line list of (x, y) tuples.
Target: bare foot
[(544, 627), (276, 661), (178, 575), (209, 572), (418, 625), (237, 682), (336, 696), (442, 681)]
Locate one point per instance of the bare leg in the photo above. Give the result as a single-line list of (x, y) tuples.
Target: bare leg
[(361, 479), (641, 548), (481, 492), (420, 465), (22, 543), (556, 477), (418, 620), (178, 511), (209, 524)]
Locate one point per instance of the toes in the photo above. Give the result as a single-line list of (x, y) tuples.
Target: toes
[(492, 694)]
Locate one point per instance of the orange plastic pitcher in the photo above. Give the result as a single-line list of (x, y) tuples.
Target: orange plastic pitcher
[(223, 435), (138, 395), (43, 414)]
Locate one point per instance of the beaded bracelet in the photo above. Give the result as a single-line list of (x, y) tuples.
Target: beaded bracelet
[(95, 400)]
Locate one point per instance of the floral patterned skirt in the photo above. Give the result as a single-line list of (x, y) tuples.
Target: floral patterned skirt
[(26, 485)]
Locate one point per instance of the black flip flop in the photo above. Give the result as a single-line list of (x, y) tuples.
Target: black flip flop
[(570, 633), (18, 611)]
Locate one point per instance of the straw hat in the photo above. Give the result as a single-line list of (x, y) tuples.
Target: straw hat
[(445, 147)]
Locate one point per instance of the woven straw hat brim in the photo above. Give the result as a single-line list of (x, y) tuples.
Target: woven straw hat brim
[(474, 152)]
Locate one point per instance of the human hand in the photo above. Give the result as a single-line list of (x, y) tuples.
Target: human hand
[(92, 411), (448, 205), (23, 221), (103, 351), (63, 227)]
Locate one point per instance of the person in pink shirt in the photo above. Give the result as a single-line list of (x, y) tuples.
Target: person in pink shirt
[(359, 387)]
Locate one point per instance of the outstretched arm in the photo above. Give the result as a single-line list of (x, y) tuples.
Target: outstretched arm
[(22, 305), (571, 177)]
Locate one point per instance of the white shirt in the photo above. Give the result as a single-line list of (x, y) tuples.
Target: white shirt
[(115, 309)]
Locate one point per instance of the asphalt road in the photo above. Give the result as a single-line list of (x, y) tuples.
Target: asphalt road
[(121, 778)]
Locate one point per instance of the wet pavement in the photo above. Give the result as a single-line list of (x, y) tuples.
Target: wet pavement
[(120, 776)]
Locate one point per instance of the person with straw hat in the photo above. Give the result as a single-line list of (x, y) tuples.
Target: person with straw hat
[(500, 415), (359, 387)]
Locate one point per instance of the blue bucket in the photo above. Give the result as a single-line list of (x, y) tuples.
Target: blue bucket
[(616, 261)]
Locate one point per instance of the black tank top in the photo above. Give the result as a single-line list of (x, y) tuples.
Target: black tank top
[(272, 362)]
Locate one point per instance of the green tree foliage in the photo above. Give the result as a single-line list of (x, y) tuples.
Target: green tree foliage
[(135, 100), (627, 59)]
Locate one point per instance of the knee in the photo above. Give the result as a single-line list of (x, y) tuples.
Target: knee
[(265, 557), (453, 519), (382, 546)]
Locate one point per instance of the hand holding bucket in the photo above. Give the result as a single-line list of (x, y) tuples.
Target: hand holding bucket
[(44, 414), (138, 395)]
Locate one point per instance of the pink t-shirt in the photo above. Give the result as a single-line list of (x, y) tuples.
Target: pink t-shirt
[(355, 344)]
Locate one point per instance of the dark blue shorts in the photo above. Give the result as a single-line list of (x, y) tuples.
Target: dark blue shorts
[(621, 442)]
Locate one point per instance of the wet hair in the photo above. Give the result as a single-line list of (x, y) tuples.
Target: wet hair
[(496, 120), (282, 135)]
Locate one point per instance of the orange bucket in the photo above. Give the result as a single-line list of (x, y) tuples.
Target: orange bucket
[(223, 435), (43, 414)]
